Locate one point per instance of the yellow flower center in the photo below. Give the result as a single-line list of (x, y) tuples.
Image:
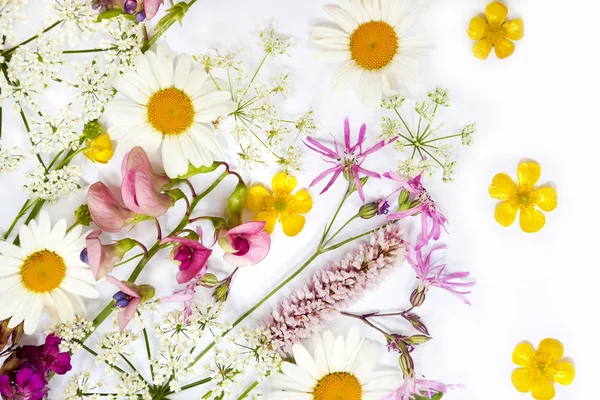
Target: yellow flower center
[(497, 34), (373, 45), (523, 197), (338, 386), (43, 271), (280, 205), (170, 111)]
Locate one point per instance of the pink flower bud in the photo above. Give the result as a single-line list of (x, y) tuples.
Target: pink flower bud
[(106, 212), (102, 258), (191, 256), (246, 244)]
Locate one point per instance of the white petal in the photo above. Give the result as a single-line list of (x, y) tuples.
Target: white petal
[(190, 149), (209, 139), (342, 17), (21, 311), (320, 356), (333, 56), (407, 20), (144, 68), (338, 363), (353, 342), (324, 32), (305, 361), (328, 346), (10, 250), (44, 224), (166, 70), (356, 10), (124, 113), (6, 271), (345, 76), (334, 44), (142, 135), (386, 380), (174, 160), (9, 282), (212, 99), (367, 360), (9, 262), (62, 305), (77, 303), (50, 308), (27, 239), (10, 300), (284, 382), (298, 374), (127, 88), (183, 66), (59, 231), (78, 287), (369, 89), (205, 115), (32, 319), (196, 80), (416, 46), (289, 396), (82, 274)]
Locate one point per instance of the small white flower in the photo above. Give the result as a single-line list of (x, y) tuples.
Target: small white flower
[(72, 333), (306, 124), (54, 184), (77, 17), (55, 131), (274, 44), (9, 159)]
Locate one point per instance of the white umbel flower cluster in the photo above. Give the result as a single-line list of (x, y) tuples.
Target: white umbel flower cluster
[(76, 18), (54, 184), (9, 17), (55, 131), (71, 333), (80, 385), (114, 344), (9, 159)]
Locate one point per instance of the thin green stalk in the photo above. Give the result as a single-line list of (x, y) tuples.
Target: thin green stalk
[(442, 138), (248, 390), (129, 259), (429, 125), (432, 156), (161, 31), (346, 195), (195, 384), (22, 211), (340, 244), (258, 69), (85, 51), (55, 159), (259, 139), (39, 203), (405, 125), (9, 51), (133, 368), (148, 352), (31, 141), (342, 228), (69, 229), (93, 353)]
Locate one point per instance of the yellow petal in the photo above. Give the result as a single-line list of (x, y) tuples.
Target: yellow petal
[(545, 198), (301, 202), (482, 48), (502, 187), (259, 198), (521, 380), (543, 390), (528, 174), (563, 373), (283, 184), (506, 212), (292, 223), (531, 220), (523, 355), (515, 30), (478, 28), (496, 14), (99, 150), (551, 350), (270, 217), (504, 48)]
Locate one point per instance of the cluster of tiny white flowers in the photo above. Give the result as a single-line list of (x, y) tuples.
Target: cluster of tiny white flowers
[(132, 387), (467, 132), (225, 371), (306, 124), (71, 332), (290, 161), (95, 89), (390, 128), (50, 186), (250, 156), (208, 316), (273, 43), (81, 386), (9, 159), (172, 365), (440, 97), (9, 17), (392, 102), (55, 131), (257, 351), (76, 19), (114, 344), (125, 46), (174, 330)]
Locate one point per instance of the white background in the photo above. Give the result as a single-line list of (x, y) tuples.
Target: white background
[(539, 104)]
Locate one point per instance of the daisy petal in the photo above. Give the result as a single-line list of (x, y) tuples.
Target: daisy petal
[(32, 319), (342, 17), (305, 361)]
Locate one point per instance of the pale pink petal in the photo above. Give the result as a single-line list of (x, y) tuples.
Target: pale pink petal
[(106, 212), (151, 8), (126, 315)]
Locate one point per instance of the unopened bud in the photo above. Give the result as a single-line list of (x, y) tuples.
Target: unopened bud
[(147, 291), (11, 364), (235, 204), (221, 292), (418, 339), (406, 364), (404, 200), (92, 129), (368, 211), (83, 216), (209, 281), (417, 298)]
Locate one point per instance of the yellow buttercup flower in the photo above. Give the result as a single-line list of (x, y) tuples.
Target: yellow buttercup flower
[(495, 32), (541, 368), (280, 204), (524, 196), (99, 150)]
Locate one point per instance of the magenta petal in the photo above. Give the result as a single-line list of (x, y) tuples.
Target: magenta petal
[(367, 172), (373, 148), (347, 135), (323, 174), (23, 376), (128, 313), (260, 244), (128, 288), (106, 212), (247, 228), (361, 138), (151, 8), (320, 148), (198, 267)]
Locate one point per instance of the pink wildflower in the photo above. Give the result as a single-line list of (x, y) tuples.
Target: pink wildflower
[(426, 207), (413, 387), (246, 244), (48, 356), (128, 298), (433, 275), (347, 160), (191, 256), (102, 257), (344, 282), (25, 384), (106, 212)]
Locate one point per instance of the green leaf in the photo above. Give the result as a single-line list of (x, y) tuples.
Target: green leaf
[(199, 170), (175, 13), (109, 14), (436, 396)]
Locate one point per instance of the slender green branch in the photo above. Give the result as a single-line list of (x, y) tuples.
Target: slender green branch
[(161, 31), (442, 138), (129, 259), (148, 352), (83, 51), (248, 390), (341, 229), (26, 206), (93, 353), (258, 69), (9, 51), (405, 124), (432, 156), (133, 368), (195, 384)]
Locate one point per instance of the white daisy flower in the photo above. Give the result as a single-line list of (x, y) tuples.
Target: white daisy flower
[(44, 272), (338, 368), (369, 40), (169, 104)]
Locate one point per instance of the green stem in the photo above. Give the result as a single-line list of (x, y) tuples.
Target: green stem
[(39, 203), (148, 352), (213, 79), (366, 321), (346, 195), (259, 139), (133, 368), (258, 69), (7, 52), (195, 384), (442, 138), (31, 141), (22, 211), (342, 228), (69, 157), (432, 156), (129, 259), (161, 31), (248, 390), (86, 51), (93, 353), (429, 125), (340, 244), (405, 125)]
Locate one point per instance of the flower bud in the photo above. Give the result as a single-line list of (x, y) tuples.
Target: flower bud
[(92, 130), (209, 281), (83, 215), (11, 363), (417, 298), (418, 339), (368, 211), (99, 150), (221, 292), (406, 364), (12, 335), (235, 204), (417, 323), (147, 292), (404, 200)]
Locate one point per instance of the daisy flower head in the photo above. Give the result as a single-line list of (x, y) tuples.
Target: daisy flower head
[(170, 104), (369, 40), (44, 273), (337, 368)]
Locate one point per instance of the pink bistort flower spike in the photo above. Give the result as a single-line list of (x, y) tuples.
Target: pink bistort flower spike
[(419, 388), (347, 160), (433, 275), (106, 211), (128, 298), (191, 256), (426, 207), (246, 244)]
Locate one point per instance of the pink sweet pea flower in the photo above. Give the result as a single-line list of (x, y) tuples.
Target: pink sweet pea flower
[(141, 187), (347, 160), (413, 388), (191, 256), (151, 8), (426, 207), (106, 212), (102, 258), (433, 275), (128, 298), (246, 244)]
